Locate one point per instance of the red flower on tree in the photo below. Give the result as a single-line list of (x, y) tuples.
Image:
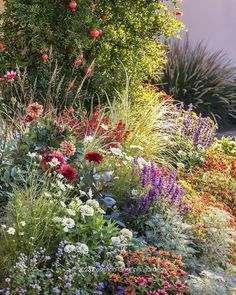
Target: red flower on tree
[(68, 172), (94, 157)]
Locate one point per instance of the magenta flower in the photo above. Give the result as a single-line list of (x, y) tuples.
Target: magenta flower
[(10, 75)]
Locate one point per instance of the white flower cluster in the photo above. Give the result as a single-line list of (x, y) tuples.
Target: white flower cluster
[(80, 248), (124, 238), (76, 206)]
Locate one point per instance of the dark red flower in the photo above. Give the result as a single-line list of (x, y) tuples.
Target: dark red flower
[(68, 172), (49, 157), (94, 157)]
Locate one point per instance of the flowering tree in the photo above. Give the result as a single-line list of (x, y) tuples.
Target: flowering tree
[(80, 33)]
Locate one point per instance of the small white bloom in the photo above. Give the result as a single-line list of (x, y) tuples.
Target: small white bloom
[(116, 151), (32, 155), (66, 229), (202, 159), (47, 194), (134, 192), (69, 248), (3, 226), (22, 223), (127, 233), (11, 231), (88, 139), (129, 158), (100, 210), (69, 186), (32, 238), (138, 147), (93, 203), (90, 193), (120, 264), (141, 162), (63, 204), (71, 212), (57, 219), (180, 165), (83, 249), (78, 201), (182, 153), (105, 127), (21, 233), (119, 258), (68, 222), (115, 240), (86, 210), (61, 185), (54, 163)]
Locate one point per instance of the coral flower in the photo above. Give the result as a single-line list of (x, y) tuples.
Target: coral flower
[(10, 75), (140, 281), (34, 110), (49, 157), (115, 278), (179, 285), (68, 148), (68, 172), (179, 13), (94, 157)]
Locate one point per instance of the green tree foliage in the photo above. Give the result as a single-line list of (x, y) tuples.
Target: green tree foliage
[(131, 33)]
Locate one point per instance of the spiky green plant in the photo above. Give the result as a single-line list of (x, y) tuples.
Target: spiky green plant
[(205, 79)]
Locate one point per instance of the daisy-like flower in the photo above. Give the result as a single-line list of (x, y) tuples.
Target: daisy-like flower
[(22, 223), (10, 75), (68, 172), (11, 231), (68, 148), (127, 233), (86, 210), (94, 157), (116, 240), (88, 139), (82, 248), (34, 110), (69, 248), (93, 203), (68, 222)]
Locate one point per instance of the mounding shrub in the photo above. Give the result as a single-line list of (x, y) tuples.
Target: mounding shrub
[(104, 33), (196, 76)]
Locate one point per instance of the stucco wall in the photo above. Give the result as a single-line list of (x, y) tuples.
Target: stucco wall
[(213, 21)]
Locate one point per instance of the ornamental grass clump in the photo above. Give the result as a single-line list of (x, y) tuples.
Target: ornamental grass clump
[(195, 75)]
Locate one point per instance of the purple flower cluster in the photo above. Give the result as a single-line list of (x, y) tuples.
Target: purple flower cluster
[(200, 130), (159, 185)]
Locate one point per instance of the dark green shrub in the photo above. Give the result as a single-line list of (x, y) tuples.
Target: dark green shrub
[(194, 75), (30, 28)]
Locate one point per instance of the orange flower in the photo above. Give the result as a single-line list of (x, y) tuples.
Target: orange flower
[(151, 248), (115, 278), (129, 291), (34, 110), (179, 13)]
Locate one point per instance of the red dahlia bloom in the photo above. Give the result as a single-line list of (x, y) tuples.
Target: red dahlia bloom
[(94, 157), (68, 172)]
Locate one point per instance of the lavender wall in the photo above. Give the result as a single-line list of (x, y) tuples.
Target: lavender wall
[(213, 21)]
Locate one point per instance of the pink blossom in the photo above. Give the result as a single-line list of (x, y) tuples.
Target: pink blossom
[(10, 75)]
